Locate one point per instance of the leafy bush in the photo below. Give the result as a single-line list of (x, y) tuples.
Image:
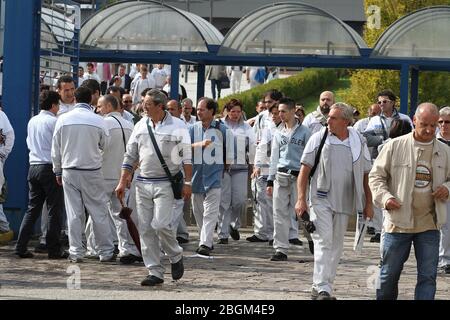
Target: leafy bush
[(297, 87)]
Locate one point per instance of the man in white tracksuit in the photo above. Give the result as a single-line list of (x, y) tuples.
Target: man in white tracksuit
[(154, 193), (119, 132), (263, 212), (339, 188), (240, 144), (78, 141), (287, 148), (317, 119)]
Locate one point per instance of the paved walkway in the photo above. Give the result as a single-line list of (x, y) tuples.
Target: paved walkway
[(238, 271)]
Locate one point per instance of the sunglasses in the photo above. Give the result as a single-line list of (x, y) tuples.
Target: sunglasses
[(444, 121), (127, 101), (384, 101)]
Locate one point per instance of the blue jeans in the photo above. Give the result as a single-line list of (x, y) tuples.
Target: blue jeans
[(396, 249)]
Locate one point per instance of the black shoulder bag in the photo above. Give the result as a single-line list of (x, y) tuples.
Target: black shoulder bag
[(177, 180), (319, 151), (123, 134)]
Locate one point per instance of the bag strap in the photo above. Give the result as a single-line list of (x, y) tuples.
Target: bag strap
[(158, 152), (123, 133), (319, 151)]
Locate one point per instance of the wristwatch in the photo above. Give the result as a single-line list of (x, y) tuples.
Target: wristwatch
[(188, 183)]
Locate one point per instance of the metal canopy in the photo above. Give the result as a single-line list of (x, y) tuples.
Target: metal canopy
[(148, 26), (291, 28), (423, 34)]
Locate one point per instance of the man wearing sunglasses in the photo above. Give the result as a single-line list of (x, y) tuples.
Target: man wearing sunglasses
[(379, 126)]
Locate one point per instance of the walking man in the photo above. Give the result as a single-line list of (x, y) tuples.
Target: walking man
[(287, 149), (208, 137), (410, 179), (154, 193), (338, 187)]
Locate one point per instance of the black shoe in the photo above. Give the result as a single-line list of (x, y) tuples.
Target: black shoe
[(279, 256), (151, 281), (24, 255), (271, 242), (234, 233), (254, 238), (371, 231), (323, 295), (41, 248), (376, 238), (447, 269), (177, 269), (204, 250), (60, 255), (116, 249), (296, 242), (222, 241), (311, 246), (130, 259), (182, 240)]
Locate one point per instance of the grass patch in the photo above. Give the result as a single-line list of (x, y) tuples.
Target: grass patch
[(339, 88)]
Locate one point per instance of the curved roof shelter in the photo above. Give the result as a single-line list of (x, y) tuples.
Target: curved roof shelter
[(148, 26), (291, 28), (421, 34), (56, 28)]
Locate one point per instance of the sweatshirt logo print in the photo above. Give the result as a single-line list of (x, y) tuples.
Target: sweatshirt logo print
[(423, 176)]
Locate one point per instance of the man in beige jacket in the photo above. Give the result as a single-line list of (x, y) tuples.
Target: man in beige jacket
[(410, 179)]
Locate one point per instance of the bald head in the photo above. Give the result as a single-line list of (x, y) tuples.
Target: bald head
[(425, 122), (374, 110), (427, 108), (326, 100), (174, 108)]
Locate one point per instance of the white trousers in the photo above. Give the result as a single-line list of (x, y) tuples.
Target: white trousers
[(236, 76), (444, 245), (284, 199), (4, 224), (177, 218), (155, 210), (86, 189), (206, 212), (328, 245), (263, 209), (232, 200), (126, 244)]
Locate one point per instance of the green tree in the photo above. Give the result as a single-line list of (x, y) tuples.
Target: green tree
[(365, 84)]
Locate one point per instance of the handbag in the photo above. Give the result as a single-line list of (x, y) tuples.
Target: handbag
[(224, 82), (177, 181)]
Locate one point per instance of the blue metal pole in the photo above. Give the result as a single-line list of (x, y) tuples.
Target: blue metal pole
[(414, 90), (20, 92), (200, 81), (404, 88), (174, 78)]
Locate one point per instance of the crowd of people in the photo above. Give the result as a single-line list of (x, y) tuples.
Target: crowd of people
[(93, 155)]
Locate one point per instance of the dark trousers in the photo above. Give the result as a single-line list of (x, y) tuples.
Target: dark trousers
[(215, 84), (43, 187)]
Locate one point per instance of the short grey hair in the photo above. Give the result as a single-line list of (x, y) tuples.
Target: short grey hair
[(427, 106), (346, 110), (445, 112), (157, 96)]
